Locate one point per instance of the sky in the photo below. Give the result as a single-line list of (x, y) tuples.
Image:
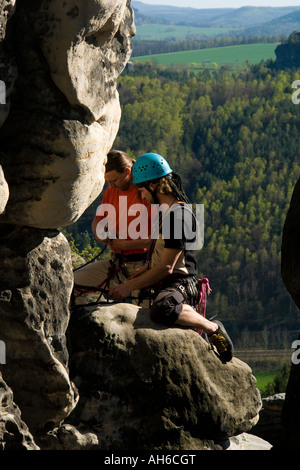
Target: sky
[(224, 3)]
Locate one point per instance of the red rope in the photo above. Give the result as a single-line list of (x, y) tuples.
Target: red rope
[(204, 290), (79, 291)]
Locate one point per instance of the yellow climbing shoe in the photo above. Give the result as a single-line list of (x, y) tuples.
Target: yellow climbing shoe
[(222, 343)]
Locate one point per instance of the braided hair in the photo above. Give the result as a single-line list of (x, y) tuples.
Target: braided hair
[(175, 183)]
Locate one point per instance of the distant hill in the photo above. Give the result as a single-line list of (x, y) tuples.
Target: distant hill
[(243, 17), (246, 17), (283, 25), (243, 21), (177, 15)]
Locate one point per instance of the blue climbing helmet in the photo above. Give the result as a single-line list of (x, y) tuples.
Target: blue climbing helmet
[(148, 167)]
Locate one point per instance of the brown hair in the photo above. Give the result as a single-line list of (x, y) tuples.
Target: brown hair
[(164, 187), (118, 161)]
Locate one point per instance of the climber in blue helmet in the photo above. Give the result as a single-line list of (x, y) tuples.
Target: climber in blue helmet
[(171, 269)]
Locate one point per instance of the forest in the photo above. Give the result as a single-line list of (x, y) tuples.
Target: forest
[(146, 47), (234, 138)]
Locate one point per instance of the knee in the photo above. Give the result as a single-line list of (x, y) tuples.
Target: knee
[(156, 313), (167, 308)]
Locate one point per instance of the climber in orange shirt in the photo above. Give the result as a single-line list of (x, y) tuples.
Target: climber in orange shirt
[(116, 225)]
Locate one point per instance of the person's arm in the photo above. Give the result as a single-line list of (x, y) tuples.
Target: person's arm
[(148, 278), (106, 241)]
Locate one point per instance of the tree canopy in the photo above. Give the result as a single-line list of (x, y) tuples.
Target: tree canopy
[(234, 138)]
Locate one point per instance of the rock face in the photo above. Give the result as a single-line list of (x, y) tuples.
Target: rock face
[(269, 425), (64, 107), (59, 115), (36, 279), (155, 387), (290, 262), (4, 191), (8, 70), (8, 75), (14, 434)]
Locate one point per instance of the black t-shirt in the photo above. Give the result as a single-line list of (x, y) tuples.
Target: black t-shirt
[(178, 230)]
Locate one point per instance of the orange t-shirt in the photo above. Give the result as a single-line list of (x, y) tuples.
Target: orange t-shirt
[(114, 209)]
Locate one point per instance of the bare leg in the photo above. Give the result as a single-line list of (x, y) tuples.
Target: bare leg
[(215, 331), (189, 317)]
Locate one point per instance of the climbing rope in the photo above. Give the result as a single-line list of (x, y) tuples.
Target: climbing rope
[(204, 290)]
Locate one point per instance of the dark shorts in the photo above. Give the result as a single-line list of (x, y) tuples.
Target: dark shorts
[(167, 306)]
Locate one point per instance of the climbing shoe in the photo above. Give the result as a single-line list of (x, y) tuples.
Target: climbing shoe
[(222, 343)]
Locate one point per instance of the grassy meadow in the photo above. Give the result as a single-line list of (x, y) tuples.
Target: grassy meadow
[(263, 379), (265, 364), (233, 56)]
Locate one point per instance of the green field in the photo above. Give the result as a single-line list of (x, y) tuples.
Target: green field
[(161, 32), (214, 57), (263, 379), (265, 363)]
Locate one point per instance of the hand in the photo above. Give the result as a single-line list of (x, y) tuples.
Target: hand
[(120, 292)]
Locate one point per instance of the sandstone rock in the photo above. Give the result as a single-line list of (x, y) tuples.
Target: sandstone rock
[(14, 434), (269, 426), (65, 111), (8, 68), (67, 437), (86, 46), (274, 403), (144, 386), (35, 284), (247, 441), (4, 191)]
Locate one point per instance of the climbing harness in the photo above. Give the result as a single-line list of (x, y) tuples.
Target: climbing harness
[(117, 267)]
